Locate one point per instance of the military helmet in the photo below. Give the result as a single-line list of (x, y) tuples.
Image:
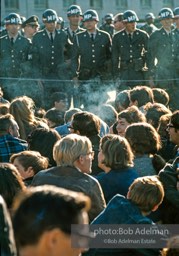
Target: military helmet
[(149, 15), (176, 12), (90, 15), (74, 10), (130, 16), (60, 20), (165, 13), (49, 15), (13, 18), (109, 16)]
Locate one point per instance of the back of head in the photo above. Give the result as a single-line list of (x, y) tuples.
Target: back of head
[(68, 149), (132, 115), (122, 100), (108, 114), (146, 192), (4, 108), (43, 140), (141, 94), (10, 182), (21, 108), (67, 208), (69, 113), (5, 123), (86, 123), (117, 152), (55, 116), (143, 138), (161, 96), (154, 112)]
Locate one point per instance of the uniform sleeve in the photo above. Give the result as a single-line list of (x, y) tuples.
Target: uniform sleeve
[(115, 56), (151, 55), (75, 57), (35, 57)]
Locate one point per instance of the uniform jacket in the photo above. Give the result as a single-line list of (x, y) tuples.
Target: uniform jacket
[(108, 28), (67, 31), (73, 179), (161, 47), (90, 56), (149, 28), (126, 52), (12, 57), (48, 56)]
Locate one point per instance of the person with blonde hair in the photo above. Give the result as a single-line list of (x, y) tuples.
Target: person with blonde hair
[(22, 108), (28, 163), (73, 155)]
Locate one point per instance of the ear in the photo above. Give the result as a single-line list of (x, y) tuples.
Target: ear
[(135, 103), (155, 208), (52, 239), (81, 159), (30, 171), (128, 195)]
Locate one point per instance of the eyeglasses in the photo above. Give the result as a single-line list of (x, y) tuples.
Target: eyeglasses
[(91, 153), (170, 126)]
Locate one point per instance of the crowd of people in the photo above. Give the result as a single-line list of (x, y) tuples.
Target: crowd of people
[(78, 156)]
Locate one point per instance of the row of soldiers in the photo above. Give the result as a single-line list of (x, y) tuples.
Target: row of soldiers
[(79, 54)]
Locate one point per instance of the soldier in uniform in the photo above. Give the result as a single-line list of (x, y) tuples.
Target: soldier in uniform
[(60, 23), (74, 15), (162, 47), (118, 22), (149, 27), (48, 47), (90, 55), (15, 48), (30, 26), (108, 24), (48, 54), (129, 48)]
